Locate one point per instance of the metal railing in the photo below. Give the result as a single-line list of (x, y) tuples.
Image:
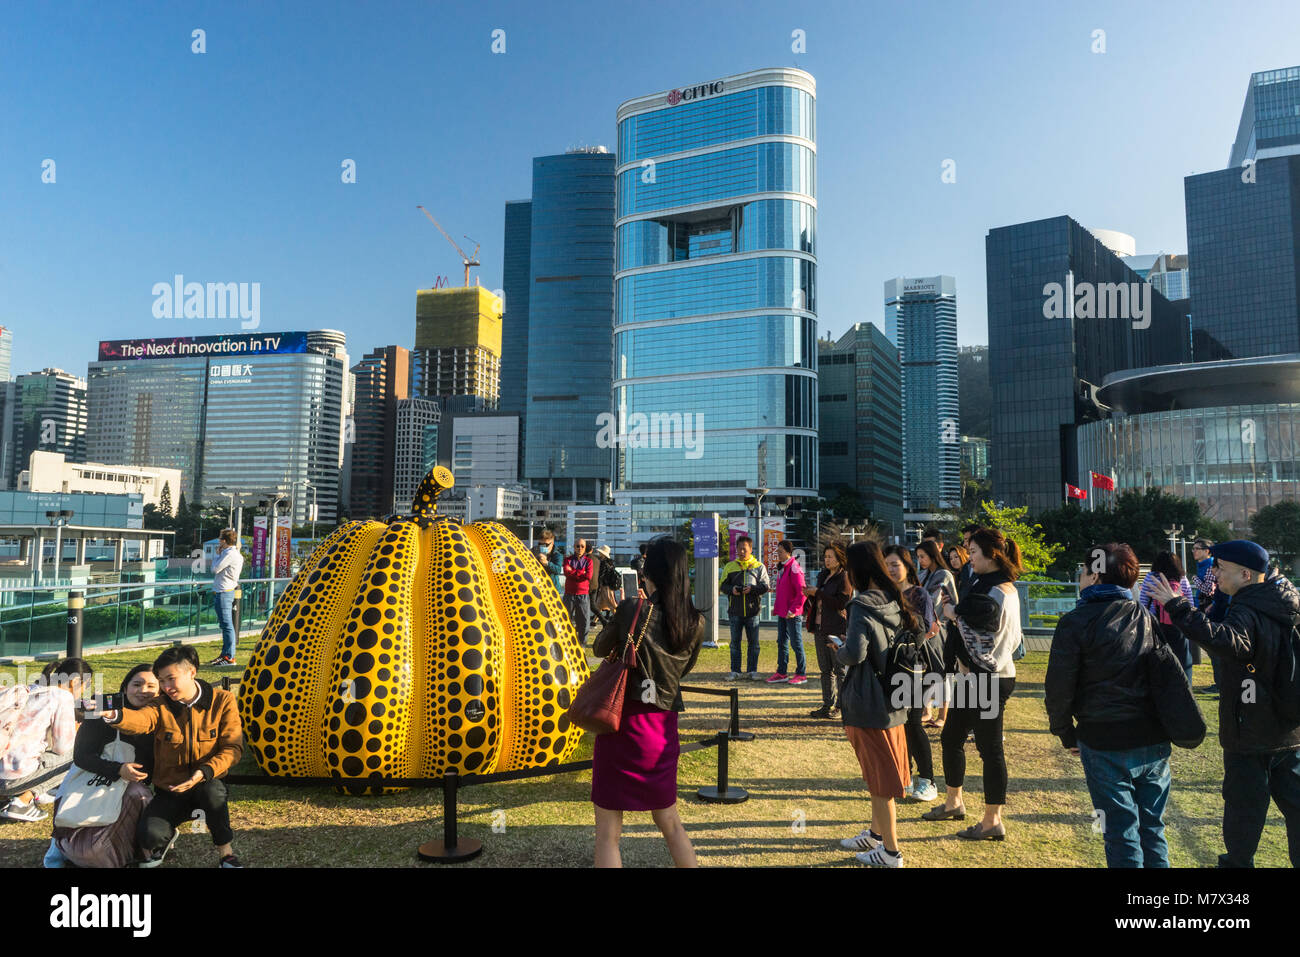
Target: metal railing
[(34, 620)]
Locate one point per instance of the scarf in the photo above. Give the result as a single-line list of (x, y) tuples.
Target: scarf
[(1103, 591)]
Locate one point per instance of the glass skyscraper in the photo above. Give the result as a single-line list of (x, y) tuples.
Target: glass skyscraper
[(921, 322), (715, 296), (570, 308), (1043, 371), (515, 264), (1243, 231)]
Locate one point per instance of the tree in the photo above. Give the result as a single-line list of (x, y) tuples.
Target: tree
[(1137, 517), (1037, 553), (165, 500), (1277, 528)]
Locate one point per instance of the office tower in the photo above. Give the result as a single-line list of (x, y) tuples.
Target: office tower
[(6, 352), (860, 405), (49, 413), (515, 284), (921, 322), (481, 449), (245, 413), (1270, 119), (715, 297), (1057, 297), (383, 379), (570, 325), (1166, 272), (458, 343), (415, 449), (974, 458)]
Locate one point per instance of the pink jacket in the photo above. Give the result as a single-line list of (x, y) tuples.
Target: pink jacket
[(789, 591)]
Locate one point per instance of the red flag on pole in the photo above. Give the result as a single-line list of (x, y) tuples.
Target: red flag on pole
[(1102, 481), (1072, 491)]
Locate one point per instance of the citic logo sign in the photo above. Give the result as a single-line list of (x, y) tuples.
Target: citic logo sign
[(694, 92)]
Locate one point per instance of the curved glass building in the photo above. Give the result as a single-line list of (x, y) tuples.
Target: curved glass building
[(715, 306), (1226, 433)]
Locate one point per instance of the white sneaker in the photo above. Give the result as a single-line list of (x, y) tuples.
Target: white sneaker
[(879, 857), (16, 810), (45, 798), (158, 856), (863, 841), (755, 676), (709, 644), (732, 676), (924, 790)]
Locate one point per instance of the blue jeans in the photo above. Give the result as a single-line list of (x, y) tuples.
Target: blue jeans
[(224, 602), (791, 630), (750, 625), (1130, 789)]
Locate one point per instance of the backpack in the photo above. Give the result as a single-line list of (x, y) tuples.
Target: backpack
[(13, 698), (1286, 677)]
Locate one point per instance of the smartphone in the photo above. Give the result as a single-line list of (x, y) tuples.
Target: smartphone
[(100, 703)]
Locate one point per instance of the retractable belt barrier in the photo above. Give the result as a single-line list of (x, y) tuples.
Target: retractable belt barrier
[(452, 847)]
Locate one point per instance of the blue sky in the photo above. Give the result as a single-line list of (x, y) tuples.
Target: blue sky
[(225, 166)]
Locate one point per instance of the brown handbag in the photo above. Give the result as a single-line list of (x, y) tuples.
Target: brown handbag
[(598, 705)]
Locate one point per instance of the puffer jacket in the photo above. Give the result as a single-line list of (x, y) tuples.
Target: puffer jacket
[(1247, 643), (1096, 688), (654, 661), (874, 620)]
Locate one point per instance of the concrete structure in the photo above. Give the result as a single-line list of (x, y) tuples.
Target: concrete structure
[(458, 343), (383, 379), (49, 413), (482, 449), (415, 448), (51, 472)]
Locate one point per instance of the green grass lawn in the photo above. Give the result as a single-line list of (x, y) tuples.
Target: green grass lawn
[(805, 786)]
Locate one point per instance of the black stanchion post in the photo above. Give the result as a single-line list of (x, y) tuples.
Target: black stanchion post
[(722, 794), (225, 683), (76, 620), (736, 734), (451, 848)]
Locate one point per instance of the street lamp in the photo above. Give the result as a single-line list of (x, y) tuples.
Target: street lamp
[(1173, 532), (58, 520), (307, 482)]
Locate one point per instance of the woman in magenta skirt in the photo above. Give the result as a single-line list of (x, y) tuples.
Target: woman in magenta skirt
[(635, 768)]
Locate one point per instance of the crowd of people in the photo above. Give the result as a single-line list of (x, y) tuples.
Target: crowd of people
[(882, 619), (904, 640)]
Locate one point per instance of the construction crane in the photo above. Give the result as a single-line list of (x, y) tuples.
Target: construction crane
[(467, 260)]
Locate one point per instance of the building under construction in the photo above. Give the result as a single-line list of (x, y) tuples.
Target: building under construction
[(458, 343)]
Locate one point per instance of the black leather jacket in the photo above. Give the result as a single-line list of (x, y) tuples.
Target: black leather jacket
[(664, 668), (1096, 677), (1247, 643)]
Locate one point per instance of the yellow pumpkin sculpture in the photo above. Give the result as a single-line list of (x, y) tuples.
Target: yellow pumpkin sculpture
[(411, 648)]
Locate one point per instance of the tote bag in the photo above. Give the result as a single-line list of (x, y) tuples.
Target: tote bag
[(88, 800)]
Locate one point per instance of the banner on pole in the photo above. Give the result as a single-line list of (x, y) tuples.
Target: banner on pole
[(259, 546), (283, 544)]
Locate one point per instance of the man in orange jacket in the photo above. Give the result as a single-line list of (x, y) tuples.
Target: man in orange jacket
[(198, 738)]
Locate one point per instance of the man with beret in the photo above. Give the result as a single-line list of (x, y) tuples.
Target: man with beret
[(1261, 750)]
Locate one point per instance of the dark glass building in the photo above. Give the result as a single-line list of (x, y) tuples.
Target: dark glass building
[(570, 303), (860, 407), (1056, 297), (515, 264), (1243, 243)]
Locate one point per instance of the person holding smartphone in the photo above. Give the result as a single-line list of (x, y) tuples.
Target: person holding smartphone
[(197, 739), (827, 620), (878, 613)]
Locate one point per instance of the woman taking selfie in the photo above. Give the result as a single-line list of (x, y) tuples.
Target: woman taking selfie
[(635, 768), (877, 613)]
